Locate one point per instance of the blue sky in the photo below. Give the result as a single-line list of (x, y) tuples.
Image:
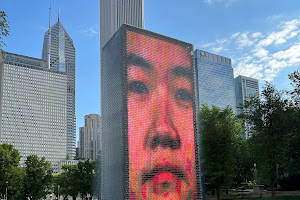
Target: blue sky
[(262, 37)]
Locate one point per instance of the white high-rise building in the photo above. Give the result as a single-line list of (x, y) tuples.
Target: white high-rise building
[(33, 108), (62, 59), (114, 13)]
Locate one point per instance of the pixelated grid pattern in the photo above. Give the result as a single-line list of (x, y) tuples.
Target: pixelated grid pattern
[(149, 146)]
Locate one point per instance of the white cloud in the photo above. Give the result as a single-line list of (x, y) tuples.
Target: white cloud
[(226, 2), (217, 49), (216, 46), (259, 54), (244, 41), (247, 69), (274, 18), (292, 52), (235, 35), (275, 64), (256, 35), (280, 37), (91, 31)]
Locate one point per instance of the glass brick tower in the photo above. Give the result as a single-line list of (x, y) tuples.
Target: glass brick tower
[(59, 54), (214, 80)]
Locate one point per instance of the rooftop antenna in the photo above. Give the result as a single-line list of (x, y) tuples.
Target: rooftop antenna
[(49, 37), (58, 14)]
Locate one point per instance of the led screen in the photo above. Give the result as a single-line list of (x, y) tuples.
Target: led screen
[(160, 108)]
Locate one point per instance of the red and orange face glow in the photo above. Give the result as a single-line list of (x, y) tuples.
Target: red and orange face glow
[(161, 144)]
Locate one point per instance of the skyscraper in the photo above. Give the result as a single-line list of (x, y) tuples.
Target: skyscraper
[(89, 137), (244, 88), (59, 54), (114, 13), (214, 80), (33, 108)]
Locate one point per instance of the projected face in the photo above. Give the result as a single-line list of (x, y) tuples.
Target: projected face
[(161, 142)]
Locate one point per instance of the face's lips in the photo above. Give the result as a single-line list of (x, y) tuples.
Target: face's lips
[(177, 171)]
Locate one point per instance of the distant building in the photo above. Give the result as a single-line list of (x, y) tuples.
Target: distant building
[(114, 13), (60, 56), (66, 162), (89, 137), (214, 75), (33, 107), (245, 87)]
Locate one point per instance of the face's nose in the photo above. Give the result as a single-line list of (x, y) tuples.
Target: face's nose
[(162, 131)]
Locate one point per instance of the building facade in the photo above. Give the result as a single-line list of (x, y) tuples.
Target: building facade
[(114, 13), (244, 88), (214, 79), (89, 137), (33, 108), (59, 53)]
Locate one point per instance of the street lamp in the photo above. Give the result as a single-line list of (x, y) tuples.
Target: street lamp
[(58, 192), (6, 189)]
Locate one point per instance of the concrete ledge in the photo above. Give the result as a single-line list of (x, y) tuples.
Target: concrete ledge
[(262, 194)]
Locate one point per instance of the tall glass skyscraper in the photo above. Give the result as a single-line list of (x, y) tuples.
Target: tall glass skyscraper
[(244, 88), (59, 53), (214, 80), (114, 13)]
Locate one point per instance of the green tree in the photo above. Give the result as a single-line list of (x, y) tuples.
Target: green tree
[(269, 126), (67, 181), (4, 29), (295, 78), (291, 172), (219, 131), (76, 179), (86, 175), (38, 178), (245, 163), (11, 174)]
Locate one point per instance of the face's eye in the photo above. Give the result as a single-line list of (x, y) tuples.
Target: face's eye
[(138, 87), (183, 95)]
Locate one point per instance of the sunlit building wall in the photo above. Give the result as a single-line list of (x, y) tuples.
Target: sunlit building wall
[(33, 108), (89, 137)]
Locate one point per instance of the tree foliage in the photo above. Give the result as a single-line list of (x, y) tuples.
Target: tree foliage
[(245, 163), (219, 130), (270, 127), (38, 178), (11, 174), (4, 29), (76, 179), (295, 78)]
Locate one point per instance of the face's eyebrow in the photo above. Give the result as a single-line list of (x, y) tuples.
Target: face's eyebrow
[(136, 60), (183, 72)]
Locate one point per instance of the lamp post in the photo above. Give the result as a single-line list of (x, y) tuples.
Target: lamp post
[(58, 192), (6, 190)]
